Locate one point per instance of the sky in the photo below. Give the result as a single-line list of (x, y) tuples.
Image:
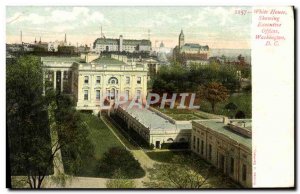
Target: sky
[(217, 27)]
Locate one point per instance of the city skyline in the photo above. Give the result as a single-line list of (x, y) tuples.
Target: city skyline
[(212, 26)]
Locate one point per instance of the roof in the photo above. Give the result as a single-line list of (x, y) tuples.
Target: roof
[(143, 42), (107, 61), (149, 118), (61, 59), (152, 120), (198, 46), (222, 128)]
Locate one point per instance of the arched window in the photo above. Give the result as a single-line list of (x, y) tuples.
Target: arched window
[(113, 80), (170, 139), (182, 139)]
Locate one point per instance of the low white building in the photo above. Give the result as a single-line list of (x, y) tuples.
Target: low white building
[(155, 127)]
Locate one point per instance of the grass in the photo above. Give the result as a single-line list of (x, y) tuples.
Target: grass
[(125, 138), (216, 178), (180, 114), (102, 139), (100, 135), (242, 100), (166, 156)]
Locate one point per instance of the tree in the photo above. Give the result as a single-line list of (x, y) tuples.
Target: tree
[(214, 92), (120, 182), (181, 173), (31, 118), (27, 121), (240, 115), (120, 160)]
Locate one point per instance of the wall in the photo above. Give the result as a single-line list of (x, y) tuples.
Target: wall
[(222, 145)]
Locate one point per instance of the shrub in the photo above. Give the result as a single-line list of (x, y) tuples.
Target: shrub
[(121, 160), (175, 145)]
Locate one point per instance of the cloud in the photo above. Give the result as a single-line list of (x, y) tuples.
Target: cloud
[(77, 14)]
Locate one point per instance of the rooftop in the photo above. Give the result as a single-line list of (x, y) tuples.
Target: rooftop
[(60, 59), (107, 61), (193, 45), (125, 41), (152, 120), (221, 127)]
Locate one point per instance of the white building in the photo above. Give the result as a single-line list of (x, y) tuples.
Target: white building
[(92, 79), (227, 145), (127, 45), (155, 127)]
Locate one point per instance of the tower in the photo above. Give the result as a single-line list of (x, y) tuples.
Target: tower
[(181, 39), (65, 38)]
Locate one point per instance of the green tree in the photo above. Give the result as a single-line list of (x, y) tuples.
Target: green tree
[(180, 173), (120, 159), (31, 118), (27, 121), (214, 92)]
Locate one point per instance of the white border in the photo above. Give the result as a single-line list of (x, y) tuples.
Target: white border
[(106, 3)]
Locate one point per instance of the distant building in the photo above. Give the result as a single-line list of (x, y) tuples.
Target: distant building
[(227, 145), (40, 46), (83, 49), (53, 46), (127, 45), (188, 53)]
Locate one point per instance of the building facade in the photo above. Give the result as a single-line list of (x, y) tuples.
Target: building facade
[(226, 145), (93, 79), (153, 126), (191, 53), (127, 45)]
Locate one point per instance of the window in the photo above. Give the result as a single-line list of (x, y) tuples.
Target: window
[(197, 144), (86, 95), (209, 151), (98, 80), (231, 165), (202, 147), (138, 94), (97, 94), (127, 80), (139, 80), (127, 94), (86, 79), (194, 142), (244, 172), (113, 80)]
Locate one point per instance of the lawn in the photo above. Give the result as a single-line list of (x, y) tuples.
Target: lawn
[(102, 139), (180, 114), (216, 178), (100, 135), (243, 101), (165, 156)]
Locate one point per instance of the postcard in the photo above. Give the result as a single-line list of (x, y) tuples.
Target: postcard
[(150, 97)]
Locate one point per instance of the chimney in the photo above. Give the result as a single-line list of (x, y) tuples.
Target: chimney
[(225, 120)]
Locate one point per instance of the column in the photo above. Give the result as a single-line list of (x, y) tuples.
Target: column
[(44, 92), (54, 79), (72, 82), (61, 81)]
